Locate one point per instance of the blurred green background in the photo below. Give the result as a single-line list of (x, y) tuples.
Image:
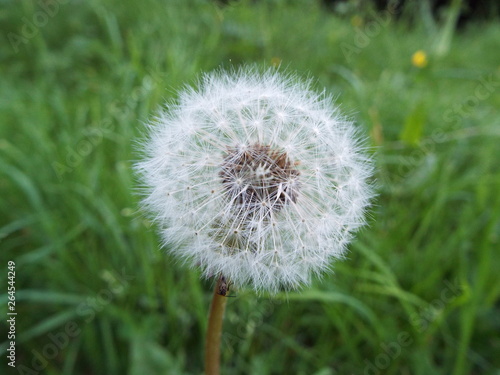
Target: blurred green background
[(419, 290)]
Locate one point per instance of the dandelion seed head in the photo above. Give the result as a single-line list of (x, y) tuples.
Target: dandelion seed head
[(255, 176)]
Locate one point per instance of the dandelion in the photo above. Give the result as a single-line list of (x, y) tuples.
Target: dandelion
[(419, 59), (256, 179)]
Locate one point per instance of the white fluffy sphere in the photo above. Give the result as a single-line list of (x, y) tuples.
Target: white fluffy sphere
[(256, 177)]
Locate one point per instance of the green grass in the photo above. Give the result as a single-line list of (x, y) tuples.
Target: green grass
[(421, 281)]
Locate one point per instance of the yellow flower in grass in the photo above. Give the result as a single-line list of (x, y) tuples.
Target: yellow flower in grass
[(356, 21), (276, 62), (419, 59)]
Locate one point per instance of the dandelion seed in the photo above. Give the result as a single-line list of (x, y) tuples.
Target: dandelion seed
[(256, 177)]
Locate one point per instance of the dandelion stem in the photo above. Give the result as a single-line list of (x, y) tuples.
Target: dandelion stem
[(214, 331)]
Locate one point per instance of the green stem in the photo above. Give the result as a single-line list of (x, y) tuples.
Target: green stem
[(214, 331)]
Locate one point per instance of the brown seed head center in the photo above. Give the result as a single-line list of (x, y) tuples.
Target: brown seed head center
[(260, 178)]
